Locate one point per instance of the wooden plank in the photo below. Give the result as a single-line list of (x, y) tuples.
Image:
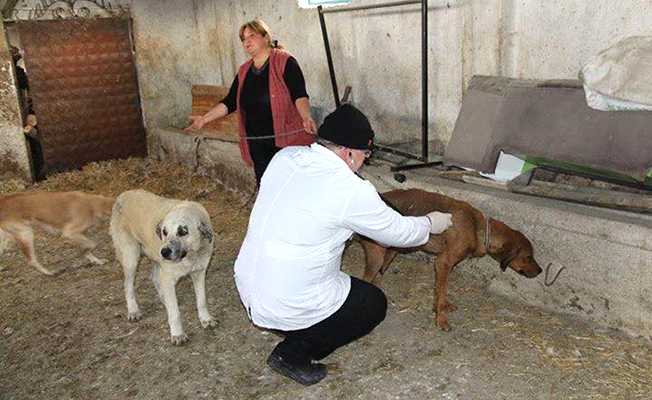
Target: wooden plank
[(456, 175), (484, 182), (205, 97), (592, 196), (584, 195)]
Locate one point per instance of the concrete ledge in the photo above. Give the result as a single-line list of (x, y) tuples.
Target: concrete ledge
[(218, 159), (606, 252)]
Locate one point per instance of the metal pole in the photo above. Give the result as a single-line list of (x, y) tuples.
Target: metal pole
[(329, 58), (369, 7), (424, 80)]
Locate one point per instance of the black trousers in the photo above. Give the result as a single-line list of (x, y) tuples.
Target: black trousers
[(364, 308), (261, 152)]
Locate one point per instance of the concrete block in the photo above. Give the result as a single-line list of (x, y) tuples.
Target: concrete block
[(547, 119), (14, 154), (474, 130), (223, 161), (176, 145), (216, 158)]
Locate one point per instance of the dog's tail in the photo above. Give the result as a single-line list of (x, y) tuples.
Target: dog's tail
[(6, 241)]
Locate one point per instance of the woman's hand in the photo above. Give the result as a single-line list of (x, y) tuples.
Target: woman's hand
[(310, 126), (303, 107), (198, 121)]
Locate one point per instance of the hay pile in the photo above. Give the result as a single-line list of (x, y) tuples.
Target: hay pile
[(115, 176), (164, 178), (614, 365)]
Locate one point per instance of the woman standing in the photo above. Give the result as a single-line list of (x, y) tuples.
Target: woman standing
[(269, 95)]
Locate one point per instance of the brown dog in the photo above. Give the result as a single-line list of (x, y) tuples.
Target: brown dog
[(472, 235), (67, 213)]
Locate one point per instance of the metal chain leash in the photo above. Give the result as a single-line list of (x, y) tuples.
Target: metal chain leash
[(545, 279), (272, 136), (199, 139)]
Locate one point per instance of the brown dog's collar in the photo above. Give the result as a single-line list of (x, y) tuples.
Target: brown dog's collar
[(487, 234)]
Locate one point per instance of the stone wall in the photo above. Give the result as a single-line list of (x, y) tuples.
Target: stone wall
[(14, 157), (377, 52)]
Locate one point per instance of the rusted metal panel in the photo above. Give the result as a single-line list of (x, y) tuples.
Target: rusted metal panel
[(83, 83)]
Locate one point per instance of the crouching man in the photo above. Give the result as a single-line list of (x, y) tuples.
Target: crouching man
[(288, 271)]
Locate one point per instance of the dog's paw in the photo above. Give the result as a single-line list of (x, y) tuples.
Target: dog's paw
[(44, 270), (442, 323), (134, 316), (178, 340), (95, 260), (209, 323)]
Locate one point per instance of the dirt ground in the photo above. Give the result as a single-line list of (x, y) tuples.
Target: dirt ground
[(66, 337)]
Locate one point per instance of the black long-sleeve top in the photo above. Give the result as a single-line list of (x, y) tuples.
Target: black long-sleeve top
[(254, 98)]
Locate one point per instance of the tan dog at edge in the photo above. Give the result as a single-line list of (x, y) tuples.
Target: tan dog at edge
[(471, 235), (177, 236), (68, 213)]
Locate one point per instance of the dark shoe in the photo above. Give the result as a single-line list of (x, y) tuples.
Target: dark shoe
[(305, 375)]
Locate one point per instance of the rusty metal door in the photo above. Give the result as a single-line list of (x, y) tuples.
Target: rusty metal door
[(83, 85)]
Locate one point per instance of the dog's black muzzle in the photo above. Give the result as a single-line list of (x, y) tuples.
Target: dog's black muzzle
[(173, 254)]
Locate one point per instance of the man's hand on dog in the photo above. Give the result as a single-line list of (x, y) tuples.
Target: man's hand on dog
[(439, 222)]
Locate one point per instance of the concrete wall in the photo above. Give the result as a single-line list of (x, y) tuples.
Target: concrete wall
[(178, 45), (14, 158), (377, 52)]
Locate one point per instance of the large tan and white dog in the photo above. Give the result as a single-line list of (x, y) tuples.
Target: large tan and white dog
[(177, 236), (67, 213)]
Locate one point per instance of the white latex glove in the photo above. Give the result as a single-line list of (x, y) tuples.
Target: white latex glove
[(439, 222)]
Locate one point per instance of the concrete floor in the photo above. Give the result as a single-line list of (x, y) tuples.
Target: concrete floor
[(67, 336)]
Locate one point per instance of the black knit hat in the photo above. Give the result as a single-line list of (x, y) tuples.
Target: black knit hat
[(348, 127)]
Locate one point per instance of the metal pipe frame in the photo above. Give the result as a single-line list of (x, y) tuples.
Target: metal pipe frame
[(424, 75), (369, 7), (329, 58)]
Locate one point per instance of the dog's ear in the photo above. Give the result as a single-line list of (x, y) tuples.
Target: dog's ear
[(506, 258), (158, 231), (504, 255), (206, 231)]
